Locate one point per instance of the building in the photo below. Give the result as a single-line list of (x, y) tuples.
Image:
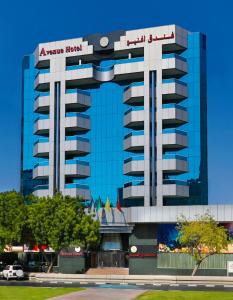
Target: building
[(118, 116)]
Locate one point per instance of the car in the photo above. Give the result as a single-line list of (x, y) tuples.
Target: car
[(13, 272), (1, 268)]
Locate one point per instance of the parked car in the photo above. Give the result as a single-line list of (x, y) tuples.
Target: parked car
[(13, 272), (1, 269)]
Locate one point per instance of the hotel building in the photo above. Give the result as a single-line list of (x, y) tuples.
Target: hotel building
[(120, 116)]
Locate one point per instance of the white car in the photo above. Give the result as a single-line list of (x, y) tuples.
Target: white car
[(13, 271)]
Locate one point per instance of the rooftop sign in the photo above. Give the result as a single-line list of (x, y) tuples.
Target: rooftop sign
[(150, 39), (67, 49)]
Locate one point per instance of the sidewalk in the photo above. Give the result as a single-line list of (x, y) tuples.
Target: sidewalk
[(101, 294), (146, 279)]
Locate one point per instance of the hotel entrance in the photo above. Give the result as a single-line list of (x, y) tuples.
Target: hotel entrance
[(113, 253), (111, 259)]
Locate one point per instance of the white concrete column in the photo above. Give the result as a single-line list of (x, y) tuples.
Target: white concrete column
[(147, 120), (153, 62), (62, 136), (51, 138)]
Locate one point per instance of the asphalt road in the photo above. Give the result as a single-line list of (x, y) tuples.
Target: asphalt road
[(140, 286)]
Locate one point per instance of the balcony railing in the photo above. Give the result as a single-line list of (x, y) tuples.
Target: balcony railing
[(77, 91), (175, 156), (140, 83), (134, 133), (173, 105), (75, 114), (76, 161), (76, 138), (173, 80), (173, 55), (134, 158), (42, 71), (41, 140), (41, 187), (135, 108), (172, 130), (134, 183), (175, 181), (76, 186), (41, 164), (78, 67)]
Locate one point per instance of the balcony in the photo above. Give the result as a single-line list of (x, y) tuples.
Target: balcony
[(75, 189), (41, 125), (77, 169), (41, 148), (134, 118), (41, 104), (134, 94), (174, 139), (77, 100), (134, 166), (174, 164), (132, 68), (174, 90), (41, 171), (42, 81), (174, 114), (134, 141), (41, 190), (134, 190), (77, 122), (175, 189), (174, 65), (75, 145), (79, 75)]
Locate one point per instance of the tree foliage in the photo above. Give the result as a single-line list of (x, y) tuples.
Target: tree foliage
[(57, 222), (60, 222), (12, 218), (202, 237)]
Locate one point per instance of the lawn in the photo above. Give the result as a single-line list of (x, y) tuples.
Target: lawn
[(185, 295), (32, 293)]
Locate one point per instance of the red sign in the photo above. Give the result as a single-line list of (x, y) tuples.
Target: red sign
[(73, 253), (150, 39), (67, 49), (143, 254)]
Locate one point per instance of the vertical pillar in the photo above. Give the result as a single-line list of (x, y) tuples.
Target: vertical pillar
[(51, 137), (159, 136), (147, 121)]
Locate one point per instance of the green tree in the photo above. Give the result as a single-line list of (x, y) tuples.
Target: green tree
[(202, 237), (60, 222), (12, 218)]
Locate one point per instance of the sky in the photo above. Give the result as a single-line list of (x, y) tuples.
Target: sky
[(24, 24)]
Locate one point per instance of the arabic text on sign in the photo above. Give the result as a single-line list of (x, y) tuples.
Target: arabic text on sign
[(150, 39)]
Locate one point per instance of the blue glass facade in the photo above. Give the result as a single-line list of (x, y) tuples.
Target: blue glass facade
[(196, 127), (107, 134), (28, 139)]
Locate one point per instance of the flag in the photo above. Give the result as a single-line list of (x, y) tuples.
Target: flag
[(99, 204), (103, 217), (107, 205), (92, 205), (118, 205)]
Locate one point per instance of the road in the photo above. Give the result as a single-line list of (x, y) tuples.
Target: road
[(136, 286)]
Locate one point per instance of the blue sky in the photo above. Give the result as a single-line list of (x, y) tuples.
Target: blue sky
[(26, 23)]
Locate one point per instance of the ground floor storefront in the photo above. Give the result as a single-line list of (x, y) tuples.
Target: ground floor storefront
[(134, 249), (142, 251)]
